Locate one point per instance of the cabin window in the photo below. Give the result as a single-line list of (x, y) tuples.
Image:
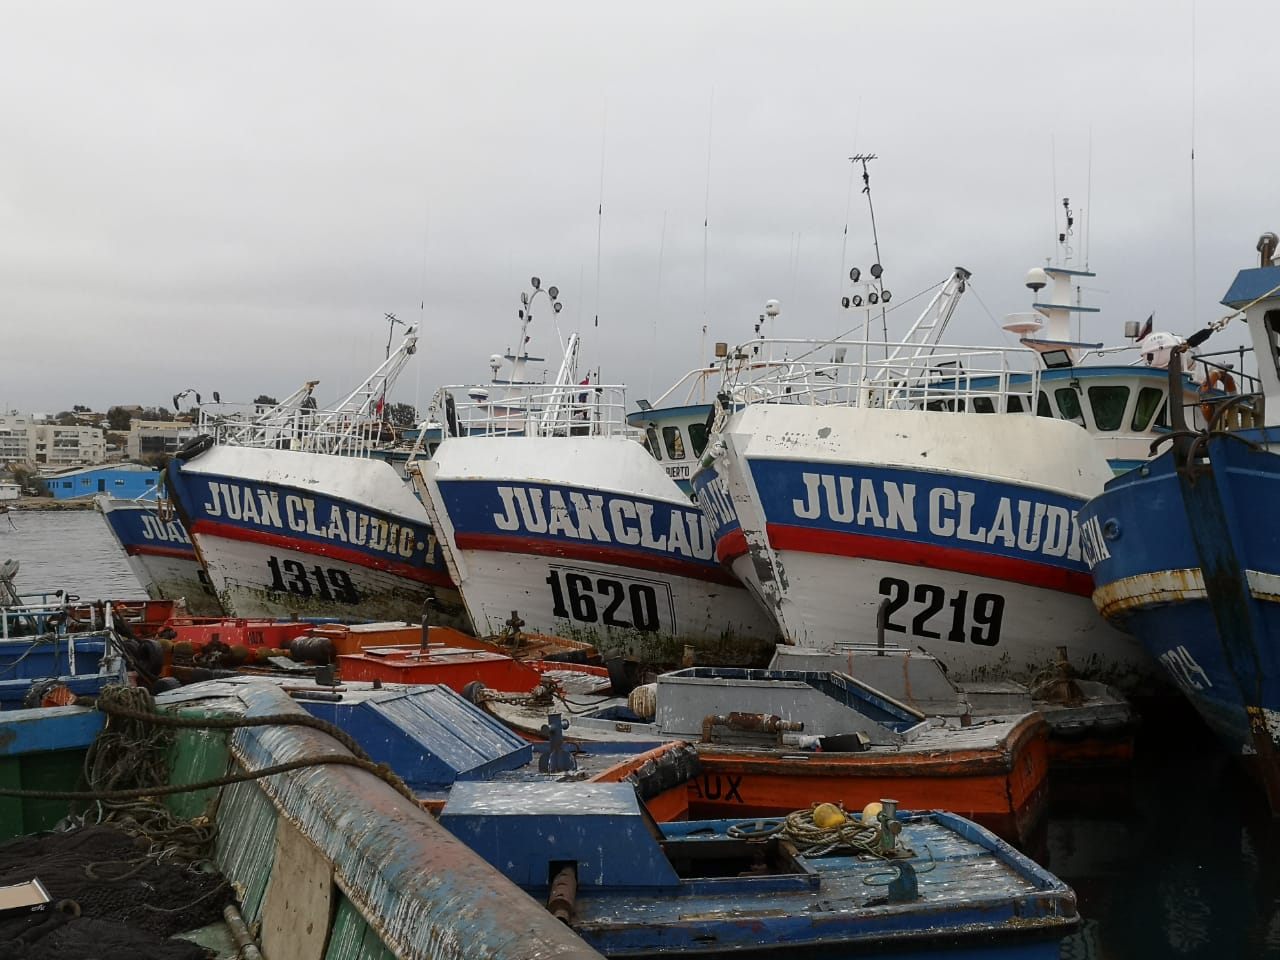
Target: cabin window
[(1149, 399), (1108, 403), (651, 441), (1271, 319), (698, 437), (1015, 403), (674, 441), (118, 483), (85, 481), (150, 482), (67, 484), (983, 405), (1042, 406), (1069, 404)]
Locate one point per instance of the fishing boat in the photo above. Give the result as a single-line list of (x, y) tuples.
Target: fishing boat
[(1184, 548), (769, 741), (302, 845), (882, 884), (936, 486), (1091, 725), (54, 667), (159, 552), (475, 666), (545, 506), (307, 522), (156, 545)]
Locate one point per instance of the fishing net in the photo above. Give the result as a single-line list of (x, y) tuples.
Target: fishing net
[(113, 897), (125, 875)]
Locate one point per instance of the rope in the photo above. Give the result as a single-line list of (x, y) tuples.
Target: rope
[(128, 762), (814, 841), (169, 789), (543, 695)]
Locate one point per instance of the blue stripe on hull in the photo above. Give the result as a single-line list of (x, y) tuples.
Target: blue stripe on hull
[(136, 528)]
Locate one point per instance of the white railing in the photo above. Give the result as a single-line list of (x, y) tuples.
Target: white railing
[(867, 374), (531, 410), (308, 430)]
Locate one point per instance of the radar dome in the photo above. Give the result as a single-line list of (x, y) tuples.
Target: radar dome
[(1037, 279)]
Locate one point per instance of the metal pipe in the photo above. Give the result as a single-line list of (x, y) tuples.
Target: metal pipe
[(246, 946), (564, 893)]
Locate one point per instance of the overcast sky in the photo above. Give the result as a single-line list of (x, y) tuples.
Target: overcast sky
[(230, 196)]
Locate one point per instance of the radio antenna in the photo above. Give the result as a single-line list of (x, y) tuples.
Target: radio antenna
[(876, 268)]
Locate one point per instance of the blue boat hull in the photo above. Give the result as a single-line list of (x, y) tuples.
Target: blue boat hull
[(160, 553), (1190, 563)]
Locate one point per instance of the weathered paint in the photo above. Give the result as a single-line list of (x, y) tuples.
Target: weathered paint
[(403, 887), (1004, 786), (587, 537), (41, 749), (1187, 561), (834, 514), (974, 890), (424, 892)]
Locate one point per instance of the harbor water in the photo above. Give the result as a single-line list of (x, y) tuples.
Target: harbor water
[(1177, 858)]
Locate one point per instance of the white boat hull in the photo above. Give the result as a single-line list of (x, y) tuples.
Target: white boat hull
[(160, 554), (587, 538), (960, 528), (289, 534)]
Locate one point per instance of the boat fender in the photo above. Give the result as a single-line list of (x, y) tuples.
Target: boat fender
[(676, 766), (194, 447), (151, 656), (871, 812), (310, 648), (643, 701), (451, 415)]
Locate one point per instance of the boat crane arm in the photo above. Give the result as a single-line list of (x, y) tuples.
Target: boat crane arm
[(562, 396), (362, 401), (927, 331)]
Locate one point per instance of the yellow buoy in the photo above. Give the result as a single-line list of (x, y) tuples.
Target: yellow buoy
[(871, 811), (827, 815)]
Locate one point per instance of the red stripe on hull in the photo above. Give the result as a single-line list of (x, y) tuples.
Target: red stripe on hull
[(138, 550), (345, 554), (731, 546), (889, 550), (499, 543)]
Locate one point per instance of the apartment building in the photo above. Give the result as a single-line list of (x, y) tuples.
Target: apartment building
[(149, 438), (25, 438)]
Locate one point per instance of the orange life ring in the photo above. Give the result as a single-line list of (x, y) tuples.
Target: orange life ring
[(1216, 380)]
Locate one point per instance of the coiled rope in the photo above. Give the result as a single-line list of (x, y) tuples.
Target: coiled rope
[(812, 840)]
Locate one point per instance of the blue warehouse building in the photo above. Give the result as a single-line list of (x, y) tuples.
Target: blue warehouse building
[(127, 480)]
